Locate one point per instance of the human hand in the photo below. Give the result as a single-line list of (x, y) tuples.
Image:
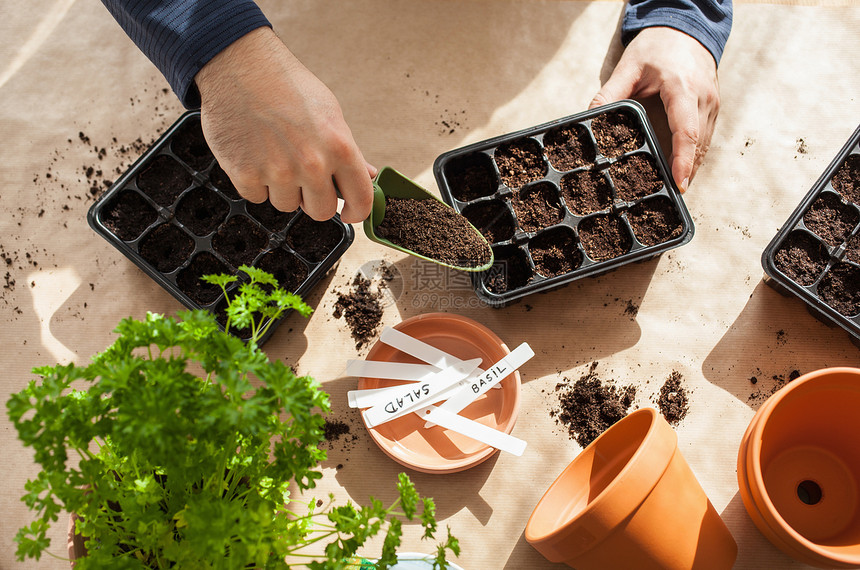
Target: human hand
[(279, 132), (683, 72)]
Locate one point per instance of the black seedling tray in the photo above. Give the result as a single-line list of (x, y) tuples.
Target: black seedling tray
[(177, 216), (578, 169), (816, 253)]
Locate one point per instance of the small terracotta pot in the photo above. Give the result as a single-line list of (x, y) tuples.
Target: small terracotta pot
[(799, 468), (630, 500), (75, 542)]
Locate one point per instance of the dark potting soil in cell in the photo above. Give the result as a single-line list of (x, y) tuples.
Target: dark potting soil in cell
[(569, 147), (852, 249), (588, 407), (313, 240), (472, 176), (520, 162), (509, 272), (163, 180), (222, 182), (846, 179), (190, 146), (555, 252), (635, 176), (271, 217), (492, 218), (617, 132), (840, 288), (239, 241), (289, 270), (586, 192), (654, 221), (166, 247), (434, 230), (201, 210), (801, 257), (221, 317), (831, 219), (537, 207), (604, 237), (189, 278), (128, 215)]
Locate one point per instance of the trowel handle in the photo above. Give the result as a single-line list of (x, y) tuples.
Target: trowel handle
[(378, 202)]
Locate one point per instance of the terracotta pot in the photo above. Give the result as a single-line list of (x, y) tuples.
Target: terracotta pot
[(799, 468), (75, 542), (630, 500)]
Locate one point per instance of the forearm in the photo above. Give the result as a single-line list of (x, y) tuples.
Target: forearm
[(181, 36), (708, 21)]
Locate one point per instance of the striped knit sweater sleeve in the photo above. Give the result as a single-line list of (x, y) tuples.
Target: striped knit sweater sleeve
[(708, 21), (181, 36)]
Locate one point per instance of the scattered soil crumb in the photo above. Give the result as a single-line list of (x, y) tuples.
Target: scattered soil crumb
[(766, 389), (362, 309), (335, 429), (589, 406), (339, 431), (449, 121), (801, 146), (781, 338), (673, 400), (631, 310), (744, 230)]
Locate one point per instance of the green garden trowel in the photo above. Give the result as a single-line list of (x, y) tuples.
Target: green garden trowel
[(389, 182)]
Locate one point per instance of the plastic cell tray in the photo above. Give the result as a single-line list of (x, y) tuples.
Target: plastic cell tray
[(177, 216), (594, 196), (822, 238)]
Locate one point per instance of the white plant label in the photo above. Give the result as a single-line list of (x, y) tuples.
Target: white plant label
[(417, 348), (390, 370), (491, 377), (420, 349), (404, 399), (476, 430), (368, 397)]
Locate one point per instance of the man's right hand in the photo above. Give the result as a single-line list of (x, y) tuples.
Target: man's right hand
[(279, 132)]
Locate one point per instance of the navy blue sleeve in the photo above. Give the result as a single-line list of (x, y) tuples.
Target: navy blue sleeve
[(181, 36), (708, 21)]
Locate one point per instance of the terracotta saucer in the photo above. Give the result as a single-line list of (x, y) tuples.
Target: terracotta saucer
[(436, 449)]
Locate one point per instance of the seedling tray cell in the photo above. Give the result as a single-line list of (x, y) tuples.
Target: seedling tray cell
[(177, 216), (568, 199), (816, 254)]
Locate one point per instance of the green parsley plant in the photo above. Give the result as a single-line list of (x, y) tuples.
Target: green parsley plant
[(177, 447)]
